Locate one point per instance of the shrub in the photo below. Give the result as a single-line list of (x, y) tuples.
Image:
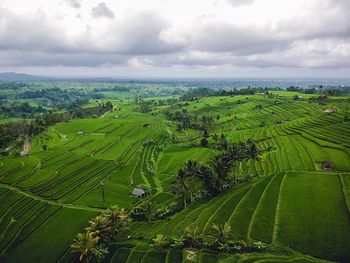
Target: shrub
[(160, 242), (177, 243)]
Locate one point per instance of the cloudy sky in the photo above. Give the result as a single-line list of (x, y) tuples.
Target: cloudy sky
[(182, 38)]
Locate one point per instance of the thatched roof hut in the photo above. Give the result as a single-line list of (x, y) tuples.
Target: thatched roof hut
[(327, 165), (329, 111), (138, 192)]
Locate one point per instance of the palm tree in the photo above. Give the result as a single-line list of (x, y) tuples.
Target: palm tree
[(221, 233), (99, 253), (180, 189), (221, 166), (98, 224), (84, 244), (252, 151), (118, 219), (178, 243), (191, 168), (101, 226), (183, 187), (194, 236), (148, 209)]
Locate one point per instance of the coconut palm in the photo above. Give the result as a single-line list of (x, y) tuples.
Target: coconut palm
[(180, 188), (184, 185), (99, 253), (252, 151), (84, 244), (221, 166), (193, 236), (98, 224), (221, 233), (148, 209), (101, 226), (177, 243), (118, 219)]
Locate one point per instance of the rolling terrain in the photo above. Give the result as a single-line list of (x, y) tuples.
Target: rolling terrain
[(291, 202)]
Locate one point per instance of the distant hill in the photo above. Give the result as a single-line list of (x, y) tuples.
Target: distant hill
[(12, 76)]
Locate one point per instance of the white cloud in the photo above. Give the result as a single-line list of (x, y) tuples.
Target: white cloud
[(240, 2), (174, 36)]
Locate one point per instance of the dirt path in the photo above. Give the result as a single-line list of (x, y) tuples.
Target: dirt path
[(49, 201), (104, 114)]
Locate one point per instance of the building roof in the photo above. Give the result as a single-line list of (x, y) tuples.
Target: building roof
[(329, 110), (138, 192), (327, 165)]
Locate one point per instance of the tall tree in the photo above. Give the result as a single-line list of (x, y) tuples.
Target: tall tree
[(221, 233), (84, 244)]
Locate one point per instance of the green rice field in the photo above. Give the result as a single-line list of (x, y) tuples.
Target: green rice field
[(293, 205)]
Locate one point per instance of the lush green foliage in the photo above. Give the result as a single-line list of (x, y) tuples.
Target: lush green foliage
[(274, 189)]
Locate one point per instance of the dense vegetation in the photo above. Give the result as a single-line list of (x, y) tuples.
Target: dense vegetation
[(229, 175), (11, 132)]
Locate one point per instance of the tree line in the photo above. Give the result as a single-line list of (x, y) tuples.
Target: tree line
[(60, 98), (186, 120), (219, 238), (16, 131), (323, 90), (195, 94), (92, 244)]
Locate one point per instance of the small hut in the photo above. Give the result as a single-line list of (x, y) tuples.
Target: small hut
[(327, 165), (329, 111), (80, 133), (138, 192), (116, 117)]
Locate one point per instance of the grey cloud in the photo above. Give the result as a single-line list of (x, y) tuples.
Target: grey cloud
[(36, 41), (31, 33), (135, 36), (101, 10), (329, 19), (141, 35), (20, 58), (75, 3), (240, 40)]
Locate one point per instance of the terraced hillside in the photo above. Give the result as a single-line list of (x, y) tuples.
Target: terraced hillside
[(291, 202)]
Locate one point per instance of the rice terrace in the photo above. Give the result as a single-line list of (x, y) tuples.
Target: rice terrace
[(162, 131), (162, 172)]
